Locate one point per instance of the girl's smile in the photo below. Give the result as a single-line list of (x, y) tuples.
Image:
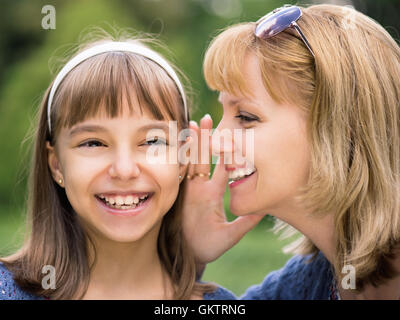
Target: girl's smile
[(124, 204)]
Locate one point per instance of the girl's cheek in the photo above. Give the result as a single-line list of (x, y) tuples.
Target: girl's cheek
[(82, 168)]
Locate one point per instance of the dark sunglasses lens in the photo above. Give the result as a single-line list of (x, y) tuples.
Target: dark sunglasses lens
[(275, 23)]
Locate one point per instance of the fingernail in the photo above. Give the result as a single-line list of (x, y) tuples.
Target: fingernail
[(207, 116), (193, 123)]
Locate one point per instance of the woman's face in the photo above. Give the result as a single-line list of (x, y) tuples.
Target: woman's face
[(281, 158), (111, 184)]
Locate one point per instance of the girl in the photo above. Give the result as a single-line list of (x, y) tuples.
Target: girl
[(104, 219), (320, 88)]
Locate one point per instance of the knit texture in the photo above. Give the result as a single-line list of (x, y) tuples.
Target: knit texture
[(299, 279), (9, 290), (219, 294)]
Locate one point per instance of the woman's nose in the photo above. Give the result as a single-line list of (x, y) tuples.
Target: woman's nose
[(124, 166)]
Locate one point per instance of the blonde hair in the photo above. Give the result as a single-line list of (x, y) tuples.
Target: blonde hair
[(351, 93), (56, 236)]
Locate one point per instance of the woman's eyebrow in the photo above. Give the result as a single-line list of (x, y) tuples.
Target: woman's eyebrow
[(233, 102)]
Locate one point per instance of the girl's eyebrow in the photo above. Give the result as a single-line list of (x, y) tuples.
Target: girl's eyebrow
[(96, 128), (157, 125), (86, 128)]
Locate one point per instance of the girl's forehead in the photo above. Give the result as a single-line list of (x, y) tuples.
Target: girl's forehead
[(115, 86), (131, 111), (133, 119)]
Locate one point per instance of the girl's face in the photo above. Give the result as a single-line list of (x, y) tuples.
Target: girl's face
[(111, 184), (281, 160)]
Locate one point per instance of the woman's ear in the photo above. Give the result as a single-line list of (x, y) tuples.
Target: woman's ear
[(54, 164)]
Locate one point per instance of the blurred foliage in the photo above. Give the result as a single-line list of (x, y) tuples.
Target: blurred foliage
[(28, 54)]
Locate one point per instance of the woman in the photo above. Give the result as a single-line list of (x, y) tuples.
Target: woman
[(321, 94)]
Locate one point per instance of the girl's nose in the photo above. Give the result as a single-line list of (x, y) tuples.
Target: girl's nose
[(124, 166)]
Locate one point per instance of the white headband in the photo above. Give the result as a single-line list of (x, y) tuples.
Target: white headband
[(110, 47)]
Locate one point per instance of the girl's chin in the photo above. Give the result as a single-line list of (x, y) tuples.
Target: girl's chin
[(123, 236)]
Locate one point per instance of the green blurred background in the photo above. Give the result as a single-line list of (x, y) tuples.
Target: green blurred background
[(28, 53)]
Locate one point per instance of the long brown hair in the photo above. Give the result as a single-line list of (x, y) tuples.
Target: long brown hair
[(56, 236), (351, 94)]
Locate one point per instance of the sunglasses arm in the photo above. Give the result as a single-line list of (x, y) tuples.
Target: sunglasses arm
[(296, 26)]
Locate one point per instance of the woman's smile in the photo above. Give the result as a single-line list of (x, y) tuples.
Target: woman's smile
[(240, 175)]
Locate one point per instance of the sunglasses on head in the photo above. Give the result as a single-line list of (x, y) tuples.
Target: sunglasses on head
[(279, 20)]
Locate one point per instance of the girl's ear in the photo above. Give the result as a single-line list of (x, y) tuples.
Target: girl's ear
[(182, 171), (54, 164)]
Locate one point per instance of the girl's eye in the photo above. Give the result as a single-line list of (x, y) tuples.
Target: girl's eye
[(156, 141), (92, 144), (246, 117)]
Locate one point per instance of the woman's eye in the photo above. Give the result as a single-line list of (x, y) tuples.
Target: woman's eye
[(156, 141), (245, 118), (92, 144)]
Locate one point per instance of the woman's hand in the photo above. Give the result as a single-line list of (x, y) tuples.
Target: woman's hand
[(205, 226)]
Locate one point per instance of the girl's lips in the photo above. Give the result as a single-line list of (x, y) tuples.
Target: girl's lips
[(236, 183), (125, 212)]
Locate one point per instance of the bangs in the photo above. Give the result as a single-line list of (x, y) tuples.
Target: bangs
[(282, 61), (108, 83), (224, 59)]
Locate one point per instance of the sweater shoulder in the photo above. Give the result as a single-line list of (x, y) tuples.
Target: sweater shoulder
[(302, 278), (9, 289), (219, 294)]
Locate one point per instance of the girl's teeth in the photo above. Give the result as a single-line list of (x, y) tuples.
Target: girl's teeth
[(129, 200), (123, 203), (119, 201)]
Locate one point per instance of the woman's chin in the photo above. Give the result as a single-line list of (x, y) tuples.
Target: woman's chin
[(243, 207), (240, 208)]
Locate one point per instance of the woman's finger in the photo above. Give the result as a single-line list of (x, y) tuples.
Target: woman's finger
[(220, 176), (203, 166), (194, 132)]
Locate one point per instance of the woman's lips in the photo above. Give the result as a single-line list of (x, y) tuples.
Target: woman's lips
[(233, 184)]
